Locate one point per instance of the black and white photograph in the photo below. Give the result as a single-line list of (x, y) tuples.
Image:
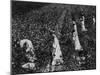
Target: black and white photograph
[(52, 37)]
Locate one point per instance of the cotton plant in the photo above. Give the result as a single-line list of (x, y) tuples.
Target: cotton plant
[(29, 65), (47, 69), (30, 49)]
